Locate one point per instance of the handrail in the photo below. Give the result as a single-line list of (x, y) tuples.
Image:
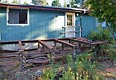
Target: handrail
[(65, 43), (44, 44)]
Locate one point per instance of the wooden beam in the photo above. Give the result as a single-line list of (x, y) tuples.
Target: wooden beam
[(29, 41), (98, 42), (20, 46), (45, 45), (80, 41), (39, 61), (9, 51), (9, 63), (64, 43), (8, 42), (8, 56)]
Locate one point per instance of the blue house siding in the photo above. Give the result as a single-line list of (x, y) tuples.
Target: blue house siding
[(2, 21), (88, 25), (48, 23), (43, 24), (77, 26)]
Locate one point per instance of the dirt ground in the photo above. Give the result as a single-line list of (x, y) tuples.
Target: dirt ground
[(108, 70)]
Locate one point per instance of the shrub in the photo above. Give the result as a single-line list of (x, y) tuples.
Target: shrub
[(82, 69), (100, 34)]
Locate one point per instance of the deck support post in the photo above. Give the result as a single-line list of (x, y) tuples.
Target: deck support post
[(51, 56), (74, 53), (22, 63), (22, 60)]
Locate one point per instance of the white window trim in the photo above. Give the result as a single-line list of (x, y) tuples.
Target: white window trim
[(17, 24), (73, 14)]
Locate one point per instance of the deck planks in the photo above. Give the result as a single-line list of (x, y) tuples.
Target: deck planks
[(46, 50)]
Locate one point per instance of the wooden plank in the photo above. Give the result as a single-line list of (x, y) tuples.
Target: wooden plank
[(38, 61), (85, 41), (20, 46), (80, 41), (65, 43), (55, 38), (98, 42), (69, 32), (28, 41), (9, 63), (8, 56), (16, 42), (39, 55), (8, 42), (9, 51), (45, 45)]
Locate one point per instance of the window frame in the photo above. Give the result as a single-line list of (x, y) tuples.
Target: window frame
[(73, 19), (8, 8)]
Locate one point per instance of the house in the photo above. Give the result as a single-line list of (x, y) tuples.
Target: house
[(27, 22)]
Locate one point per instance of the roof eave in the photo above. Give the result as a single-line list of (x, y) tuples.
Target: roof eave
[(42, 8)]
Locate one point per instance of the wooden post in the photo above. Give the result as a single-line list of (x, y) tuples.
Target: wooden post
[(74, 53), (22, 60)]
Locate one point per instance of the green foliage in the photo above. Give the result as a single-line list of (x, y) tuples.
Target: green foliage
[(104, 10), (40, 2), (25, 2), (50, 73), (44, 3), (111, 52), (15, 2), (77, 1), (65, 5), (4, 1), (100, 34), (72, 2), (56, 3), (82, 69)]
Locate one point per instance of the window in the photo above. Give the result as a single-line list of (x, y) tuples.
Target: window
[(70, 19), (17, 16)]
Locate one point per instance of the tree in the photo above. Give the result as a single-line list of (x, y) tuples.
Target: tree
[(104, 10), (76, 3), (65, 5), (4, 1), (25, 2), (56, 3), (15, 2), (40, 2), (72, 2), (44, 3)]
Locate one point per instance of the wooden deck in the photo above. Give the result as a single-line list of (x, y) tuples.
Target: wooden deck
[(42, 51)]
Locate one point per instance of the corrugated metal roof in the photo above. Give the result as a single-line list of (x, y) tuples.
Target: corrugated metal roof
[(43, 7)]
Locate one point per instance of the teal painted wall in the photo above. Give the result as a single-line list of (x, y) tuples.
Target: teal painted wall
[(48, 24), (43, 24), (89, 23), (2, 21)]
